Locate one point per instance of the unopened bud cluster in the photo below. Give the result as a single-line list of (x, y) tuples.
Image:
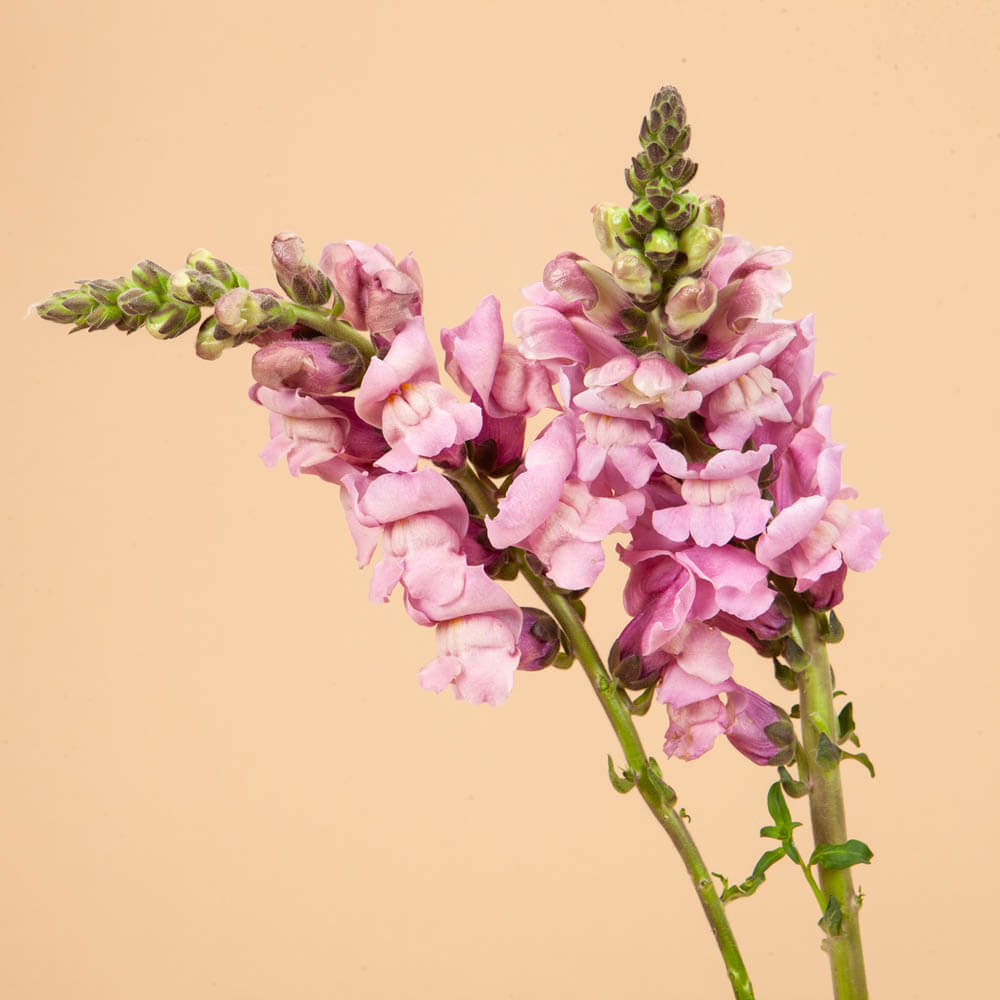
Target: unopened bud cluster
[(666, 233)]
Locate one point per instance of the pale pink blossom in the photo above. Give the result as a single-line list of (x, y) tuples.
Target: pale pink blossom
[(403, 396), (303, 430), (648, 386), (721, 497), (379, 295)]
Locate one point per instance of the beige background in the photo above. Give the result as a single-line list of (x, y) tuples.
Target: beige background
[(219, 776)]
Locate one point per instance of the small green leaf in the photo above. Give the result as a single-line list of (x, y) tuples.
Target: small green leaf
[(784, 675), (778, 808), (654, 778), (623, 782), (845, 722), (834, 857), (798, 659), (773, 832), (836, 629), (753, 881), (642, 704), (792, 788), (861, 758), (791, 850), (827, 754), (832, 919)]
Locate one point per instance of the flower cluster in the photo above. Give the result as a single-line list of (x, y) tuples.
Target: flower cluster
[(704, 443)]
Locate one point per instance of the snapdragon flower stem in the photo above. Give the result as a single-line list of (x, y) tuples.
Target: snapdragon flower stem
[(323, 322), (826, 806), (656, 795)]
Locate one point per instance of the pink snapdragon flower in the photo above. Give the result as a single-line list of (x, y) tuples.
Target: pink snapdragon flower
[(721, 497), (402, 395), (556, 517), (649, 385), (379, 295)]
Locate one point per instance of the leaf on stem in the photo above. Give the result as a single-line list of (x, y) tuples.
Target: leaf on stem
[(861, 758), (794, 789), (623, 782), (835, 857), (827, 752), (832, 919), (754, 880)]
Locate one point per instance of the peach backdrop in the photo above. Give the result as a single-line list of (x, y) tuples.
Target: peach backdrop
[(220, 778)]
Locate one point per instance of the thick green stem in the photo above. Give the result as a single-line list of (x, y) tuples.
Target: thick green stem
[(826, 805), (656, 794)]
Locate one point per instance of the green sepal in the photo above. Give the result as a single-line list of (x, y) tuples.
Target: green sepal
[(654, 778), (798, 659), (835, 857), (149, 275), (862, 758), (563, 661), (785, 676), (623, 782), (845, 725), (642, 704), (834, 628), (754, 880), (793, 788), (827, 752), (832, 919)]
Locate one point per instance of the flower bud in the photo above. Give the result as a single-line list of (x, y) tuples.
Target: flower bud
[(661, 248), (679, 212), (539, 640), (171, 319), (67, 306), (712, 210), (680, 170), (625, 661), (689, 305), (636, 275), (203, 262), (301, 280), (138, 302), (699, 244), (212, 340), (149, 275), (612, 228), (642, 215), (243, 313), (317, 367)]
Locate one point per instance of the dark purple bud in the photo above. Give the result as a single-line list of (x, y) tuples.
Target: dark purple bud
[(499, 445), (627, 663), (317, 367), (539, 641)]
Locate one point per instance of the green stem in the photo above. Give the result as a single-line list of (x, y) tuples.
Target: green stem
[(323, 322), (826, 805), (656, 794)]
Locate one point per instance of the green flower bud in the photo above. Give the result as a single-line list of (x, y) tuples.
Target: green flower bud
[(680, 212), (699, 244), (212, 340), (642, 215), (661, 248), (149, 275), (242, 313), (679, 169), (712, 210), (636, 275), (690, 303), (639, 173), (612, 227), (138, 302), (67, 306), (659, 191), (172, 319), (102, 316)]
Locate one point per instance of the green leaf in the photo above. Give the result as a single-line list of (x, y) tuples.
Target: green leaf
[(827, 753), (641, 705), (832, 919), (778, 808), (791, 850), (836, 629), (773, 832), (623, 782), (798, 659), (753, 881), (834, 857), (784, 675), (845, 723), (792, 788), (861, 758)]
